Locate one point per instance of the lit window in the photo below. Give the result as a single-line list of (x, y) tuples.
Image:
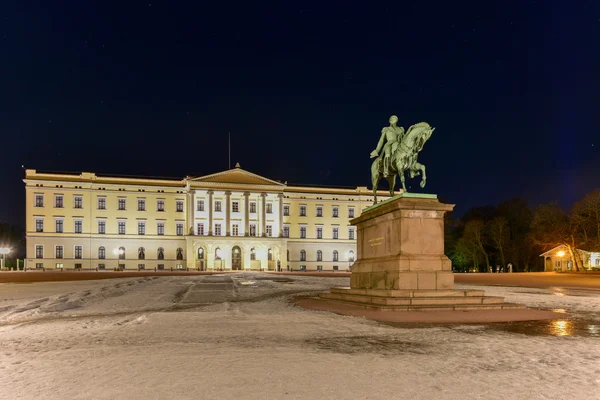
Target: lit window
[(252, 254), (39, 200), (141, 205), (77, 201), (179, 206), (235, 206), (122, 204), (59, 265), (179, 229), (160, 228), (218, 205), (39, 265), (351, 256), (58, 201)]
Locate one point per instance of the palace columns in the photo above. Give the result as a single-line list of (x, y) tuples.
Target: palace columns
[(192, 210), (227, 212), (264, 215), (210, 212), (246, 214), (280, 195)]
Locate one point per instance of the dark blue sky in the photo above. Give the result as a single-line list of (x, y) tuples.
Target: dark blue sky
[(153, 87)]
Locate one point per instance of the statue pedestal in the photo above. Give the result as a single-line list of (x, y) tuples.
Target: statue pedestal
[(401, 263)]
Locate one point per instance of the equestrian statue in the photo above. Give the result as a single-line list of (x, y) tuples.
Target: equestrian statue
[(397, 152)]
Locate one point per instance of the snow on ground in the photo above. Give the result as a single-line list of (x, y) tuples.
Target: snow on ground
[(240, 336)]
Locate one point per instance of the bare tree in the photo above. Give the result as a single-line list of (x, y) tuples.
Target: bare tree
[(474, 235), (586, 220), (499, 235)]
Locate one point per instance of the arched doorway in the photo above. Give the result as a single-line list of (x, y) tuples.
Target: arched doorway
[(201, 259), (236, 258)]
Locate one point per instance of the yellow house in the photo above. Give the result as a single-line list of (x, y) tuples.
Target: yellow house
[(230, 220)]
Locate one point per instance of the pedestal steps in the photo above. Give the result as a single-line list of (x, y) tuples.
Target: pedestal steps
[(419, 300)]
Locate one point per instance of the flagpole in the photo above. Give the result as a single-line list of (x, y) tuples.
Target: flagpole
[(229, 145)]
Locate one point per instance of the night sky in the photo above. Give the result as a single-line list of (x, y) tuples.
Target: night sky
[(154, 87)]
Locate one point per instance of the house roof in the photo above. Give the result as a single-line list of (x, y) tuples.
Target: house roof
[(236, 176)]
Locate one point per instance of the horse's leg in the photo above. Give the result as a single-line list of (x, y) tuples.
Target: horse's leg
[(392, 183), (375, 177), (424, 176)]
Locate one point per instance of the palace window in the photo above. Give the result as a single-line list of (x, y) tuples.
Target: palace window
[(59, 226), (160, 228), (334, 211), (78, 226), (141, 228), (253, 207), (270, 255), (102, 227), (59, 252), (302, 255), (59, 265), (350, 212), (179, 229), (200, 229), (235, 230), (351, 256), (351, 233), (235, 206), (179, 205), (101, 203), (39, 225), (141, 204), (141, 253), (335, 255), (141, 266), (39, 265), (39, 251), (101, 253), (39, 200), (319, 211), (336, 233), (217, 229), (101, 266), (252, 229), (59, 201), (303, 211), (160, 205), (320, 255), (77, 201), (303, 232), (78, 252), (121, 253), (121, 204), (269, 208), (319, 233), (121, 227), (179, 253), (160, 253), (269, 230), (200, 205), (286, 231), (200, 253), (252, 254), (286, 210), (218, 205)]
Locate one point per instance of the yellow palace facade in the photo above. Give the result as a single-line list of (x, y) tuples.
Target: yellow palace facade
[(231, 220)]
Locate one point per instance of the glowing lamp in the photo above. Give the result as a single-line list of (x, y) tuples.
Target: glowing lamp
[(560, 253), (4, 250)]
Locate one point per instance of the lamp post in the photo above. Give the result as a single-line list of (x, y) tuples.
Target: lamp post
[(4, 251), (118, 252)]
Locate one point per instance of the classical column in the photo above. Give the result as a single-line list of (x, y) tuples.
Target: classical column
[(264, 214), (192, 210), (280, 195), (246, 214), (210, 212), (227, 212)]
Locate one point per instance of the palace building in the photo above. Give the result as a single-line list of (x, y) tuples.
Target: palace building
[(230, 220)]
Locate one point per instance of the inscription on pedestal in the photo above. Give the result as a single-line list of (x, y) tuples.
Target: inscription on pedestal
[(378, 241)]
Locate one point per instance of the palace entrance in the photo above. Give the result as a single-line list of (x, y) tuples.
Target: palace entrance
[(236, 258)]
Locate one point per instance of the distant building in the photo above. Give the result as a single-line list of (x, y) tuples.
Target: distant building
[(559, 259), (231, 220)]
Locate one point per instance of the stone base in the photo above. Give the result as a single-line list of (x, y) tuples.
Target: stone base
[(402, 280), (419, 300)]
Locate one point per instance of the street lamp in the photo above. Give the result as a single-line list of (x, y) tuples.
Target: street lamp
[(118, 252), (560, 253), (4, 251)]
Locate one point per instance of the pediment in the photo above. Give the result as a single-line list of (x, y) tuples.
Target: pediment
[(236, 176)]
